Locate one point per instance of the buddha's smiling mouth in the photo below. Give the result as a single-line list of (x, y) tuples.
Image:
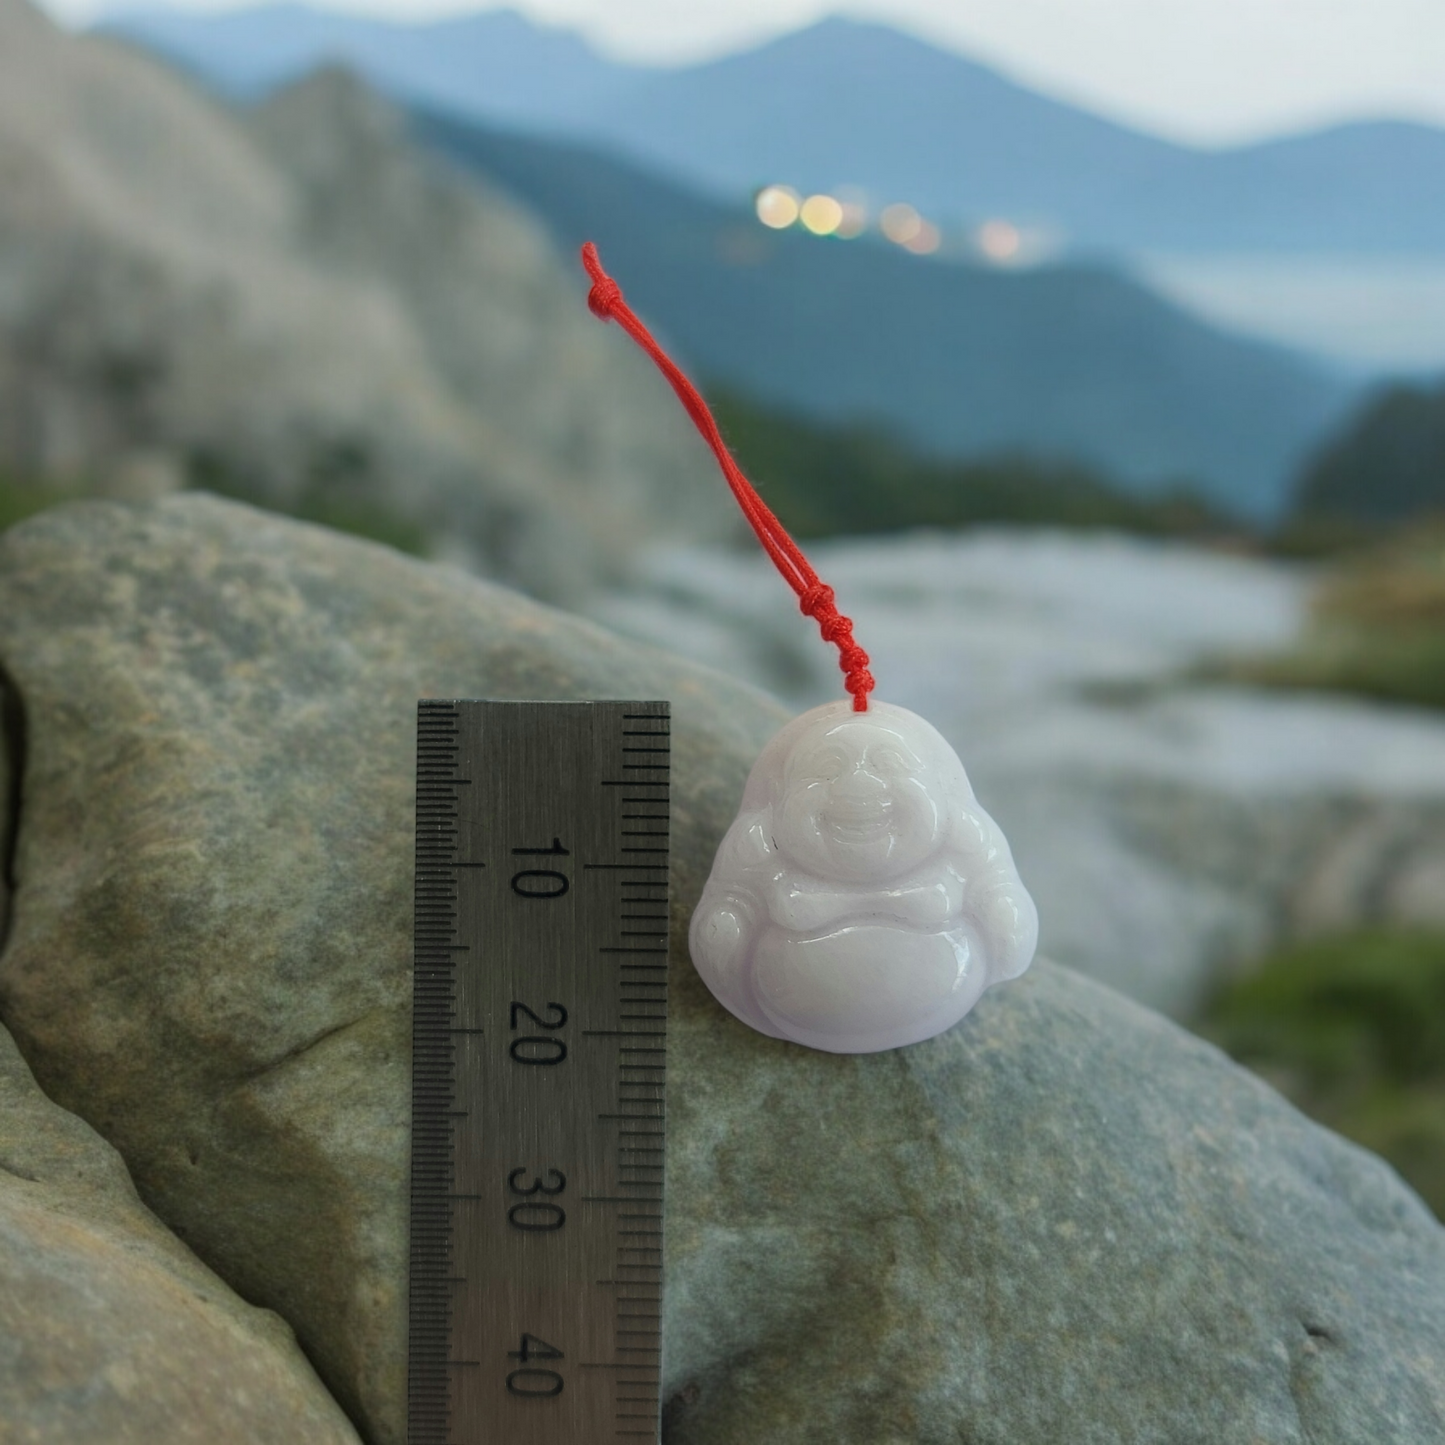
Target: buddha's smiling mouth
[(861, 824)]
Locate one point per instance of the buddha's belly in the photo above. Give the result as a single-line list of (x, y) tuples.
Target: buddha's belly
[(865, 986)]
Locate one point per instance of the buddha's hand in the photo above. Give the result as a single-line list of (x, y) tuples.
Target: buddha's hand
[(724, 934)]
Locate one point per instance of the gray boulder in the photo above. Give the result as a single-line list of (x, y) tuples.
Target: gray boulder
[(1063, 1220), (111, 1331)]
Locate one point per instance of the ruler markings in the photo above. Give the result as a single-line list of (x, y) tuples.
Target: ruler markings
[(538, 756), (428, 1388)]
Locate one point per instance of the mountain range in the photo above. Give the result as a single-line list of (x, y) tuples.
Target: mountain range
[(844, 102), (1074, 362)]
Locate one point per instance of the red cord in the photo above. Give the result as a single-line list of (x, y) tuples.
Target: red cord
[(815, 598)]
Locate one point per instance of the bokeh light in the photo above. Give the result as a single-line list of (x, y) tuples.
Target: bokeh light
[(999, 241), (854, 221), (925, 241), (900, 223), (822, 215), (778, 206)]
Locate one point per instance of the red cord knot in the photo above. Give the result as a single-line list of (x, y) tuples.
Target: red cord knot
[(857, 679), (815, 599), (860, 684), (603, 297), (606, 295)]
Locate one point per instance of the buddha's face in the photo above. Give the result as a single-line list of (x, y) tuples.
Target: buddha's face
[(861, 801)]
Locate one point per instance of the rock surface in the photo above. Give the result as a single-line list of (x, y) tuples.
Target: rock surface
[(1064, 1219), (1168, 831), (111, 1330), (12, 745), (304, 309)]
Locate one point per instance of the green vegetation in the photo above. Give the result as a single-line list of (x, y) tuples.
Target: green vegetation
[(1387, 466), (1377, 627), (1371, 504), (830, 481), (1352, 1030), (19, 500), (335, 492), (326, 498)]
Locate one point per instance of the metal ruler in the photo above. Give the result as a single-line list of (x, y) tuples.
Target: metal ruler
[(539, 1053)]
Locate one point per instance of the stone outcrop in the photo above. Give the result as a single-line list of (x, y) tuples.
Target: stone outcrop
[(1064, 1219), (111, 1331), (303, 309)]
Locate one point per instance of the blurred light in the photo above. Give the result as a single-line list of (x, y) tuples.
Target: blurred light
[(925, 241), (900, 223), (854, 221), (778, 206), (822, 215), (999, 241)]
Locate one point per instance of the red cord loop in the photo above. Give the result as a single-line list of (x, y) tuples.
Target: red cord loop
[(815, 598)]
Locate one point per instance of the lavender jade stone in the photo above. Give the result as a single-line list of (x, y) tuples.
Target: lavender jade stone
[(862, 899)]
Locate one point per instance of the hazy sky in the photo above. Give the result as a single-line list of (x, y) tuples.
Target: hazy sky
[(1210, 70)]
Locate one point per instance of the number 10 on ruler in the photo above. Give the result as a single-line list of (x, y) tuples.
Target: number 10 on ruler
[(539, 1061)]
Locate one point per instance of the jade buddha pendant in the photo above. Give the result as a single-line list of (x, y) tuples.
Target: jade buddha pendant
[(862, 899)]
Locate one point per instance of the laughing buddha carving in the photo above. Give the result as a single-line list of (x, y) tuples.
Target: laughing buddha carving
[(862, 899)]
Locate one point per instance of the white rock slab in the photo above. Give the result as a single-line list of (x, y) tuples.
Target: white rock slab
[(1151, 818)]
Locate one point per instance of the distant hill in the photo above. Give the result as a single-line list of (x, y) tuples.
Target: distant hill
[(1070, 363), (847, 102), (1386, 466), (527, 73), (835, 481)]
